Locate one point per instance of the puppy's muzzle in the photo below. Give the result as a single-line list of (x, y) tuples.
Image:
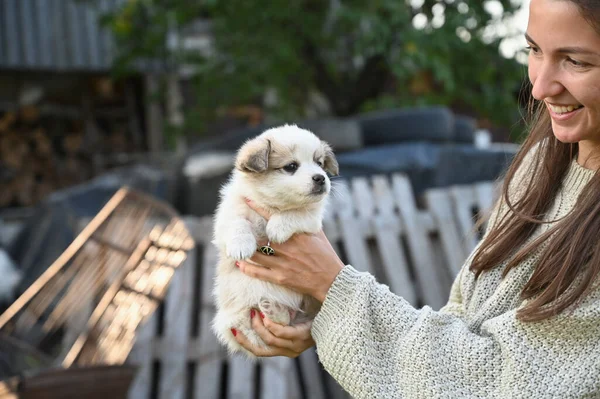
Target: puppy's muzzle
[(319, 186), (319, 180)]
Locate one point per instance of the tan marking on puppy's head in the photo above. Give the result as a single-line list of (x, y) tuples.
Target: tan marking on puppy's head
[(280, 155), (254, 156), (262, 154), (330, 163)]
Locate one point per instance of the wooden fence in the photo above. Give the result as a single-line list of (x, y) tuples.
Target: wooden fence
[(415, 246)]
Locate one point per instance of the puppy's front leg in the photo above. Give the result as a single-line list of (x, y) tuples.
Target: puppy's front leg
[(240, 242), (283, 225)]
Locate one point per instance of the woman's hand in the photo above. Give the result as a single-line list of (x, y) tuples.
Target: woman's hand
[(288, 341), (306, 263)]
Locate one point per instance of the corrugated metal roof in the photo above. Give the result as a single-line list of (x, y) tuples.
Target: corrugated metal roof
[(57, 35)]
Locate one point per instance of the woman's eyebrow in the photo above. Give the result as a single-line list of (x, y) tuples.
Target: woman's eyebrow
[(566, 50), (529, 39)]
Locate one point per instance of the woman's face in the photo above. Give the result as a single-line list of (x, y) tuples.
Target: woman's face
[(564, 69)]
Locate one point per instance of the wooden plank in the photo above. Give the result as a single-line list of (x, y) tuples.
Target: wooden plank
[(332, 232), (341, 200), (334, 389), (394, 260), (431, 284), (355, 245), (240, 379), (353, 237), (311, 375), (463, 200), (178, 304), (426, 220), (388, 229), (362, 195), (383, 195), (439, 204), (464, 204), (142, 356), (278, 379), (211, 354), (486, 194)]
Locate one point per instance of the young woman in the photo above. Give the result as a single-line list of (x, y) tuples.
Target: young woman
[(523, 318)]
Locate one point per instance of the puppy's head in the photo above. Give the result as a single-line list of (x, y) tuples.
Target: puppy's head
[(287, 167)]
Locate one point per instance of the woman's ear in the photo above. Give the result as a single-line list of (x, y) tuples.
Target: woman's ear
[(330, 164), (254, 156)]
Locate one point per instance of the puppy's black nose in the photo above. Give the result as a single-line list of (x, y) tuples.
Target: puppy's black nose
[(319, 179)]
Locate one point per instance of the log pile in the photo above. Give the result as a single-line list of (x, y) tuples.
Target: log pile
[(51, 145), (35, 162)]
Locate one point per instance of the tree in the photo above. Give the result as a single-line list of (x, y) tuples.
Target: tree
[(359, 55)]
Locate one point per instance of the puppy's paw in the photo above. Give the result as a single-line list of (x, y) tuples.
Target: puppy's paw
[(279, 230), (313, 225), (241, 247), (276, 312)]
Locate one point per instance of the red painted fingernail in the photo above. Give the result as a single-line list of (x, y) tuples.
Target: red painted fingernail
[(262, 316), (252, 313), (247, 199), (237, 264), (234, 332)]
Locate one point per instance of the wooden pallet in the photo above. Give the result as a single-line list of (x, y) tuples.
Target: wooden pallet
[(375, 224)]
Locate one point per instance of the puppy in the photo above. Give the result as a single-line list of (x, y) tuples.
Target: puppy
[(283, 171)]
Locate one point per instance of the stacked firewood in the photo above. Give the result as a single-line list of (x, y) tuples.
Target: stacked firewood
[(51, 145), (34, 160)]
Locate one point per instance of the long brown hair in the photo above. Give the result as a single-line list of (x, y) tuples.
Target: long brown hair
[(569, 261)]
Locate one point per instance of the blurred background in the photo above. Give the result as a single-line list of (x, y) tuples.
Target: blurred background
[(89, 85), (158, 95)]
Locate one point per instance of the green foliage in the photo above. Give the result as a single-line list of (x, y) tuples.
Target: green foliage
[(360, 55)]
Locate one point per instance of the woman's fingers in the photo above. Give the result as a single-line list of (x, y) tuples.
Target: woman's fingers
[(262, 351), (295, 339), (297, 332), (289, 341), (263, 260), (267, 337), (260, 272), (262, 212), (257, 351)]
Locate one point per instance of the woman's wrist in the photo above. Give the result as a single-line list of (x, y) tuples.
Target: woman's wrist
[(321, 293)]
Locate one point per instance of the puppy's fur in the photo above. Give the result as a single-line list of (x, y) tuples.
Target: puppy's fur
[(296, 197)]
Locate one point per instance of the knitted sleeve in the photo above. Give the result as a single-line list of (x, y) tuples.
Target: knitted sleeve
[(376, 345)]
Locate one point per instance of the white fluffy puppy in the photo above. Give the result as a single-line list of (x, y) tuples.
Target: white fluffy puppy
[(283, 171)]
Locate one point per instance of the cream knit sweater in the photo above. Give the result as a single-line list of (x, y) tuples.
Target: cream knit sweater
[(376, 345)]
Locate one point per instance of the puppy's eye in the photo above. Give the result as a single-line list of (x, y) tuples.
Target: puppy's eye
[(320, 163), (291, 167)]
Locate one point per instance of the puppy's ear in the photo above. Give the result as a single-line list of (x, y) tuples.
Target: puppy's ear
[(254, 156), (331, 164)]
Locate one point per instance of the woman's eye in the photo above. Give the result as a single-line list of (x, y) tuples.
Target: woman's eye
[(576, 63), (291, 167), (532, 49)]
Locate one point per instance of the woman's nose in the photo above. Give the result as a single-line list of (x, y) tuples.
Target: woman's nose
[(545, 80)]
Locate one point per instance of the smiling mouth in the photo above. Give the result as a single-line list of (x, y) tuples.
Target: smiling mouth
[(563, 109)]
